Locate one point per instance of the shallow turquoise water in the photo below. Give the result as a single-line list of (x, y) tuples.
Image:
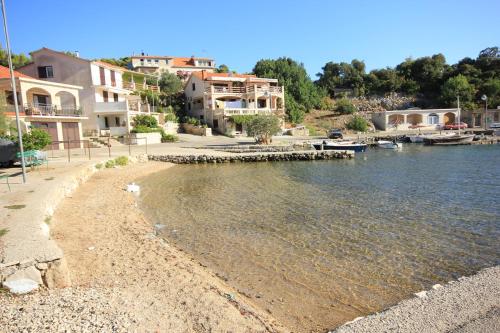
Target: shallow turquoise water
[(319, 243)]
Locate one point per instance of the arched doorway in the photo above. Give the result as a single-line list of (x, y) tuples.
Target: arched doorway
[(449, 118), (38, 102), (414, 119), (396, 119), (433, 119)]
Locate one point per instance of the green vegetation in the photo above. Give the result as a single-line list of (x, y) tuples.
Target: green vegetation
[(15, 206), (3, 232), (191, 120), (47, 220), (98, 166), (110, 164), (121, 160), (49, 178), (301, 95), (358, 123), (4, 121), (36, 139), (18, 60), (121, 62), (262, 128), (169, 137), (431, 79), (146, 121), (344, 106), (222, 69), (241, 119)]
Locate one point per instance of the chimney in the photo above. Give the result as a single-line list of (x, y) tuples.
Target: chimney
[(77, 54), (142, 53)]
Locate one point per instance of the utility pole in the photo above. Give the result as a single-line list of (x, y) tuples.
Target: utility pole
[(14, 91)]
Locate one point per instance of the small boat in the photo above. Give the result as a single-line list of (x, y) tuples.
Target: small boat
[(340, 145), (449, 139), (389, 144), (419, 138)]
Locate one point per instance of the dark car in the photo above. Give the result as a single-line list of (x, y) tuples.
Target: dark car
[(335, 133), (8, 150)]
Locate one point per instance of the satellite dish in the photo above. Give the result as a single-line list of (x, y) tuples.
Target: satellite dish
[(484, 97)]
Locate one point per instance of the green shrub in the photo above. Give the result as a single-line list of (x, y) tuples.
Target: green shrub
[(241, 119), (344, 106), (121, 160), (145, 120), (168, 137), (192, 121), (36, 139), (171, 117), (358, 123), (262, 128), (145, 129), (98, 166), (3, 232), (110, 164)]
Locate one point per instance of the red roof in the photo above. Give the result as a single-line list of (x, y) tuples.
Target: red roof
[(5, 73)]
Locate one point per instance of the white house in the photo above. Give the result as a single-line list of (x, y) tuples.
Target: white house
[(105, 99), (214, 98), (181, 66), (414, 119)]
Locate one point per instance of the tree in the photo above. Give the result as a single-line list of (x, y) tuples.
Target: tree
[(490, 52), (18, 60), (344, 106), (383, 81), (343, 75), (296, 112), (170, 84), (358, 123), (121, 62), (222, 69), (293, 76), (262, 128), (457, 86)]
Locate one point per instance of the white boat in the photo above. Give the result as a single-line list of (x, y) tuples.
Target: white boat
[(340, 145), (416, 138), (389, 144), (449, 140)]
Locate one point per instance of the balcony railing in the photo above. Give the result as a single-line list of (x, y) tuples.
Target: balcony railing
[(138, 86), (51, 110), (243, 90), (116, 107), (247, 111)]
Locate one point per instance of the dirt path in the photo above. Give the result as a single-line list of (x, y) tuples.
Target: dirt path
[(124, 277)]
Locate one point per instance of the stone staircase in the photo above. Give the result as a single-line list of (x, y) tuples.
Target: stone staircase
[(99, 142)]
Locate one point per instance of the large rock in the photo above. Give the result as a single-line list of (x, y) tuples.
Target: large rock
[(57, 275), (24, 280)]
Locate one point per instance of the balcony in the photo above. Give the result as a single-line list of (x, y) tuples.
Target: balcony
[(121, 107), (137, 86), (51, 110), (244, 90), (248, 111)]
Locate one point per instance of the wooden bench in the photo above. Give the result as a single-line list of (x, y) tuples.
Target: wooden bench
[(32, 159)]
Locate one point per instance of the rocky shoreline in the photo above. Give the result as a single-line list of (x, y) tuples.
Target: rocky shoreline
[(249, 157)]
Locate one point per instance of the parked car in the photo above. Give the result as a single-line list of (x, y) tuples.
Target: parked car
[(455, 126), (8, 150), (335, 133), (495, 125)]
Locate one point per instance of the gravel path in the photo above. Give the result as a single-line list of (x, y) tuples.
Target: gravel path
[(470, 305)]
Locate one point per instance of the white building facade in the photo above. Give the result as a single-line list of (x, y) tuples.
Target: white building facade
[(106, 100), (432, 119), (214, 98)]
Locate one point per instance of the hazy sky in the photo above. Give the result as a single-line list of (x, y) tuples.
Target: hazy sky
[(239, 33)]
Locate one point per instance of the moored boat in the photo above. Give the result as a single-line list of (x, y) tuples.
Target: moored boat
[(340, 145), (389, 144), (449, 140)]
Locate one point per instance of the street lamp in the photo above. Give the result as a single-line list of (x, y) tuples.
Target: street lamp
[(485, 99)]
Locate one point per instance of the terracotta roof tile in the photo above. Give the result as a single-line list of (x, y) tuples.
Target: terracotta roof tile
[(5, 73)]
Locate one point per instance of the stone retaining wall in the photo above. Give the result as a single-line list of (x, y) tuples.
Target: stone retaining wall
[(286, 156)]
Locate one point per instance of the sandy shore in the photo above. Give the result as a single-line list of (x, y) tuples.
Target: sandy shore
[(124, 277)]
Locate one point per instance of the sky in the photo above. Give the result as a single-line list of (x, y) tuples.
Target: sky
[(239, 33)]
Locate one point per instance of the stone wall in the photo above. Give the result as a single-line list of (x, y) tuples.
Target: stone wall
[(196, 130), (271, 157)]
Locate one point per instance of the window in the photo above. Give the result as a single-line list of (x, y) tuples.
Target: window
[(433, 119), (45, 72), (105, 96), (102, 76), (113, 78), (106, 122), (115, 97), (117, 121), (201, 117), (157, 61), (149, 60), (194, 86), (189, 106)]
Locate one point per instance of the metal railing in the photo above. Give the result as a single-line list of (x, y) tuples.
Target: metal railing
[(39, 109), (243, 90)]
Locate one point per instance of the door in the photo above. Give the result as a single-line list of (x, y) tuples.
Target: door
[(113, 79), (102, 76), (71, 133), (42, 100), (50, 128), (105, 96)]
